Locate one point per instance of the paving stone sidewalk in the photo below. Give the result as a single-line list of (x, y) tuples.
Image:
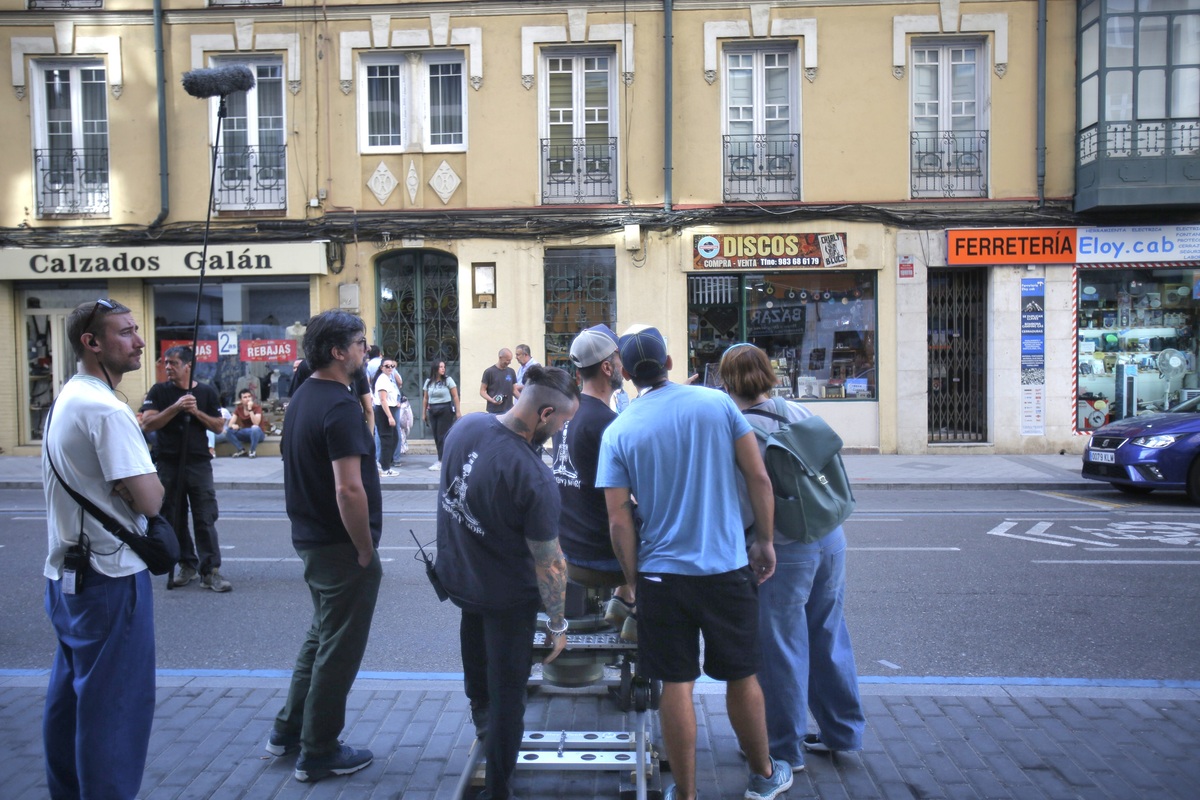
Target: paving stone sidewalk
[(974, 741)]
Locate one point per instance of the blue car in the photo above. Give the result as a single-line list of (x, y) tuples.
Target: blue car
[(1156, 451)]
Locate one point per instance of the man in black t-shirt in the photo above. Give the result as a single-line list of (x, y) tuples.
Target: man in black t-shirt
[(498, 555), (498, 382), (181, 410), (583, 526), (331, 490)]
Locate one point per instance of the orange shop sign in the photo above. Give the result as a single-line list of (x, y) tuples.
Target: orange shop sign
[(989, 246)]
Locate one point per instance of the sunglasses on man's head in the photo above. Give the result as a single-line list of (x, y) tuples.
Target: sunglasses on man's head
[(109, 304)]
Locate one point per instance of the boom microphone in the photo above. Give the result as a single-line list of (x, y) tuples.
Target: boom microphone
[(218, 82)]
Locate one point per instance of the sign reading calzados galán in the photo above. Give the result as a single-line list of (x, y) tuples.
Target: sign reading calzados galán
[(768, 250), (291, 258)]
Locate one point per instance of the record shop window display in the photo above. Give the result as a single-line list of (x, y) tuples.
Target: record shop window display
[(818, 329), (1137, 342)]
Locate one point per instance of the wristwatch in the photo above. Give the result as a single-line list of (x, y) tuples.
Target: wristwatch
[(559, 631)]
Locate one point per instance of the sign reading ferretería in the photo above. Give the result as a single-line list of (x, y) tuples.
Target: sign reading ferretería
[(166, 261), (1128, 245)]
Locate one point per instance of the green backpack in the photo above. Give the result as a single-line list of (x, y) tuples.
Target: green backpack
[(812, 492)]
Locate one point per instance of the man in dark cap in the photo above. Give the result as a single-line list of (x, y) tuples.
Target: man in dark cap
[(677, 449)]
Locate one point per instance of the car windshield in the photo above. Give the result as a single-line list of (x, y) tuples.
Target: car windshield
[(1190, 406)]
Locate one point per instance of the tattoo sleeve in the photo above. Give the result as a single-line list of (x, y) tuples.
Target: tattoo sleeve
[(551, 569)]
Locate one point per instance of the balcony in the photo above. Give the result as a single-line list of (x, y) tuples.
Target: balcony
[(63, 5), (72, 182), (761, 166), (251, 179), (1142, 163), (579, 171), (949, 163)]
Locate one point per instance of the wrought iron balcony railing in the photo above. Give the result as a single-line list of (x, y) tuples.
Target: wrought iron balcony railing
[(949, 163), (762, 166), (72, 182), (579, 171), (60, 5), (251, 178), (1140, 139)]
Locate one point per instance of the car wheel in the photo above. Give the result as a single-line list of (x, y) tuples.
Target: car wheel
[(1130, 489), (1193, 482)]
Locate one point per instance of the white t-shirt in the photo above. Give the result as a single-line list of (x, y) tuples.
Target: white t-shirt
[(95, 440), (387, 384)]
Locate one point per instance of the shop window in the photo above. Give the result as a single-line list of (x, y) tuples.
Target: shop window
[(411, 101), (1137, 342), (250, 335), (581, 291), (818, 328)]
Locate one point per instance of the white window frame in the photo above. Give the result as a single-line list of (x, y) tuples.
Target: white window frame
[(760, 53), (253, 120), (415, 121), (560, 177), (578, 90), (982, 82), (973, 181), (41, 132)]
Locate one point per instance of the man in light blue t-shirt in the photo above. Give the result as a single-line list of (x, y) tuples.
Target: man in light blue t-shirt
[(677, 450)]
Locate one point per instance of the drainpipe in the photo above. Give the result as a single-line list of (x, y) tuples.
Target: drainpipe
[(160, 73), (1041, 104), (668, 102)]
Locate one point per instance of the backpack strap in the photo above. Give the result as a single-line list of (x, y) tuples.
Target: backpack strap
[(782, 420)]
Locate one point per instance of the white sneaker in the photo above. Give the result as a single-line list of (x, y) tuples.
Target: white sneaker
[(437, 465), (389, 473)]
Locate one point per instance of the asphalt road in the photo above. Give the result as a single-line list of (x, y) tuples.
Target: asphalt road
[(1004, 584)]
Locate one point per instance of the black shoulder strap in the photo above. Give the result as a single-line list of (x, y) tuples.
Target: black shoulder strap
[(782, 420), (110, 524)]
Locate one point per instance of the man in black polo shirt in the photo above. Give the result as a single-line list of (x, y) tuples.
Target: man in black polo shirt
[(180, 407), (498, 555)]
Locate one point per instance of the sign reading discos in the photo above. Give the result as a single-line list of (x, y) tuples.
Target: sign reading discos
[(769, 250)]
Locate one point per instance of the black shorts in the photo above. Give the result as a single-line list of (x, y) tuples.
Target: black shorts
[(674, 610)]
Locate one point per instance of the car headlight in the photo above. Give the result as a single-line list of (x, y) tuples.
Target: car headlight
[(1159, 441)]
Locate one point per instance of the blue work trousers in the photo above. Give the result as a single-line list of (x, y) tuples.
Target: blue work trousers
[(100, 699), (808, 663), (497, 651), (343, 598)]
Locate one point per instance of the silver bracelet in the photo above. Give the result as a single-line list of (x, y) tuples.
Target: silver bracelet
[(560, 631)]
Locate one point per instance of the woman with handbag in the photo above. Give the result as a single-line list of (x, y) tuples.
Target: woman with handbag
[(808, 661), (440, 406)]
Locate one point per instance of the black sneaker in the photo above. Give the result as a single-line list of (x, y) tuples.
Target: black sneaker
[(343, 761), (280, 744), (813, 744), (479, 717)]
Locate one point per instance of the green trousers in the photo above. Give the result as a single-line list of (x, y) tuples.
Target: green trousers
[(343, 596)]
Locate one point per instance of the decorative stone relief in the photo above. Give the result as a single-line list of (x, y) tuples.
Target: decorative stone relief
[(346, 86), (1000, 69), (294, 87), (477, 82), (898, 72), (382, 183), (710, 75), (627, 78), (117, 90), (413, 181), (445, 182), (20, 91), (810, 73), (527, 81)]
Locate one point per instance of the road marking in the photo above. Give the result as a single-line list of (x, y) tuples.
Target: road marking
[(1119, 561), (888, 664), (1148, 550), (1038, 534), (30, 519), (906, 548), (279, 560), (1000, 529), (1093, 503)]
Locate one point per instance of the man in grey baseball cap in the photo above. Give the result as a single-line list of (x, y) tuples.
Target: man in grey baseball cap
[(583, 523)]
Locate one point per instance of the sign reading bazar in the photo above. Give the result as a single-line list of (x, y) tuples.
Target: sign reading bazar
[(167, 261), (993, 246), (769, 250)]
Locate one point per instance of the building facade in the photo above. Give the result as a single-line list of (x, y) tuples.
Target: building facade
[(881, 195)]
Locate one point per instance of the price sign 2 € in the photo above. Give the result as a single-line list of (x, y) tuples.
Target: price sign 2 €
[(227, 343)]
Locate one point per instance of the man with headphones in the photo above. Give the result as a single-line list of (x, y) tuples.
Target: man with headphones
[(100, 697)]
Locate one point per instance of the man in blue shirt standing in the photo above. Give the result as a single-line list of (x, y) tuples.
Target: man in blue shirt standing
[(676, 449)]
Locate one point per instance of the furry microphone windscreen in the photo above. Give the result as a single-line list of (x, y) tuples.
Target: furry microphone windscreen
[(221, 81)]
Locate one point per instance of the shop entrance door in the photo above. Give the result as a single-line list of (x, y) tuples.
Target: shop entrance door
[(418, 319), (957, 307), (50, 360)]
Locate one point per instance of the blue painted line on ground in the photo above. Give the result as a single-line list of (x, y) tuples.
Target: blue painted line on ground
[(943, 680)]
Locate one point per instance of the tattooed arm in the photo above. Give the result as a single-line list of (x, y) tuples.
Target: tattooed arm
[(551, 570)]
